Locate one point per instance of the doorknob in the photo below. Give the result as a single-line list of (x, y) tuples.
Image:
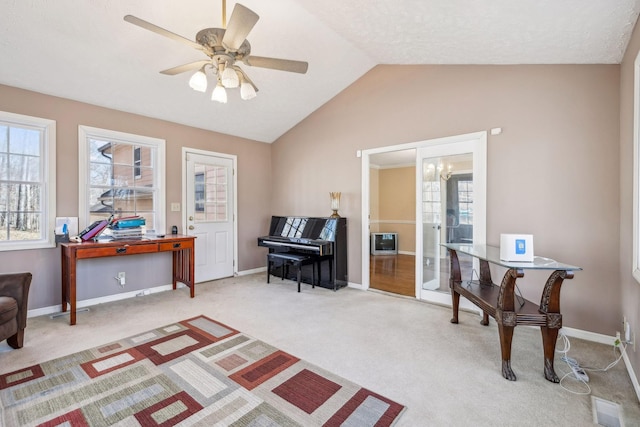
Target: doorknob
[(190, 218), (191, 227)]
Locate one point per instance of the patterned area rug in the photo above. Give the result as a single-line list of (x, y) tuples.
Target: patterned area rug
[(197, 372)]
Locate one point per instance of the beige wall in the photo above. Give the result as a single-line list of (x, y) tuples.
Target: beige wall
[(630, 288), (553, 172), (397, 205), (254, 190)]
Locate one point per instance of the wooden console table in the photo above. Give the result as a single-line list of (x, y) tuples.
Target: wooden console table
[(182, 248), (500, 302)]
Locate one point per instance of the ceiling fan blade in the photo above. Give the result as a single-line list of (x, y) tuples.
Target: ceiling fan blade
[(277, 64), (159, 30), (240, 24), (185, 67)]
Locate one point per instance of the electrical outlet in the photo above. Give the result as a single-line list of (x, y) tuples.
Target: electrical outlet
[(121, 278), (627, 332), (616, 342)]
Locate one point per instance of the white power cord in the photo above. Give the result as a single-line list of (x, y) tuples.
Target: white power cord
[(579, 373)]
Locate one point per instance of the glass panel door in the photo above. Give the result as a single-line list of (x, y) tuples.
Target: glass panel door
[(451, 194), (431, 223)]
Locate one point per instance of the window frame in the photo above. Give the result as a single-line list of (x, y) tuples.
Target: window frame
[(47, 181), (159, 170)]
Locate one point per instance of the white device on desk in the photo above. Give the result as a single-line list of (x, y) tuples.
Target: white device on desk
[(516, 247)]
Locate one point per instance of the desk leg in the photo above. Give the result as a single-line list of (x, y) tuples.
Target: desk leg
[(69, 283), (64, 284), (550, 305), (183, 269)]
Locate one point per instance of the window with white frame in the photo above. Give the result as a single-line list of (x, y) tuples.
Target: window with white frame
[(27, 182), (121, 174)]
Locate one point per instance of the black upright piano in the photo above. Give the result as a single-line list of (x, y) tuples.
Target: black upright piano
[(324, 238)]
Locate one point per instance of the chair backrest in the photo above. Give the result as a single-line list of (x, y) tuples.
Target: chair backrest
[(16, 285)]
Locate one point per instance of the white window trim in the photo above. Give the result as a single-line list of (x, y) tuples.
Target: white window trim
[(48, 218), (636, 168), (85, 132)]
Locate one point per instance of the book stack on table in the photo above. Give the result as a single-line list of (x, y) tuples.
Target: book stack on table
[(127, 228)]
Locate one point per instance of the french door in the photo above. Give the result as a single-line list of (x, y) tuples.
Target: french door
[(451, 207)]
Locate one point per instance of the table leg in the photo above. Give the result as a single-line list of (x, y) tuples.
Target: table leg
[(485, 280), (550, 305), (454, 277), (506, 336), (549, 337), (506, 319), (485, 319)]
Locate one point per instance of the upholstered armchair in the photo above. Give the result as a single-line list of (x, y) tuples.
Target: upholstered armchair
[(14, 295)]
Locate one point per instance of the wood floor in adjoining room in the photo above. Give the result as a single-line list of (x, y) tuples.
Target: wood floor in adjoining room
[(393, 273)]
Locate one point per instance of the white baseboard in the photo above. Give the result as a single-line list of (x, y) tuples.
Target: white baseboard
[(101, 300), (355, 286), (252, 271), (588, 336), (632, 374)]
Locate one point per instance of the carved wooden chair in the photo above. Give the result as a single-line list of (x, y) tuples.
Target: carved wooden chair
[(14, 295)]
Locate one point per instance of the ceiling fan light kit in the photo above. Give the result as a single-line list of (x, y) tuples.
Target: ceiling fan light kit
[(219, 94), (224, 47), (199, 81), (247, 91), (230, 78)]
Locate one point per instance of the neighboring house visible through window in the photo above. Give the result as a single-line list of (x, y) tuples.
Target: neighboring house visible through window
[(211, 193), (121, 174), (27, 182), (199, 183), (137, 162)]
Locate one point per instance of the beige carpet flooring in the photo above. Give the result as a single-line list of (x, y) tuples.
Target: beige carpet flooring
[(447, 375)]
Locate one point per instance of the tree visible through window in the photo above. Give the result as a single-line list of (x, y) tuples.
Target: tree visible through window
[(27, 175)]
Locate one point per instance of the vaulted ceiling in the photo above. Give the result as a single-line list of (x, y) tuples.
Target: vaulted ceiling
[(84, 50)]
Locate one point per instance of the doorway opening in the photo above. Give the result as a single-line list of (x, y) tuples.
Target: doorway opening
[(392, 222)]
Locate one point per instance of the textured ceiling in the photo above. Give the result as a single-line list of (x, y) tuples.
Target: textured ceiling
[(84, 50)]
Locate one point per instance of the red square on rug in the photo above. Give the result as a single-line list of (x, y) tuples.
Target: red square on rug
[(307, 390)]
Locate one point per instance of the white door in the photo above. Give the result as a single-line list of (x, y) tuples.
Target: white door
[(209, 210), (451, 196)]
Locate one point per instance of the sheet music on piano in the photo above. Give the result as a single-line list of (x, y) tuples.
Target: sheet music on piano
[(325, 238)]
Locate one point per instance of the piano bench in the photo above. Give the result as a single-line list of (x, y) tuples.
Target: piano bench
[(296, 260)]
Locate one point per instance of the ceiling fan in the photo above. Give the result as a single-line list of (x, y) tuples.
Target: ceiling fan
[(225, 47)]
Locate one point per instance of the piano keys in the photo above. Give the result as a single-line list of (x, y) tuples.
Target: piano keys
[(324, 238)]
